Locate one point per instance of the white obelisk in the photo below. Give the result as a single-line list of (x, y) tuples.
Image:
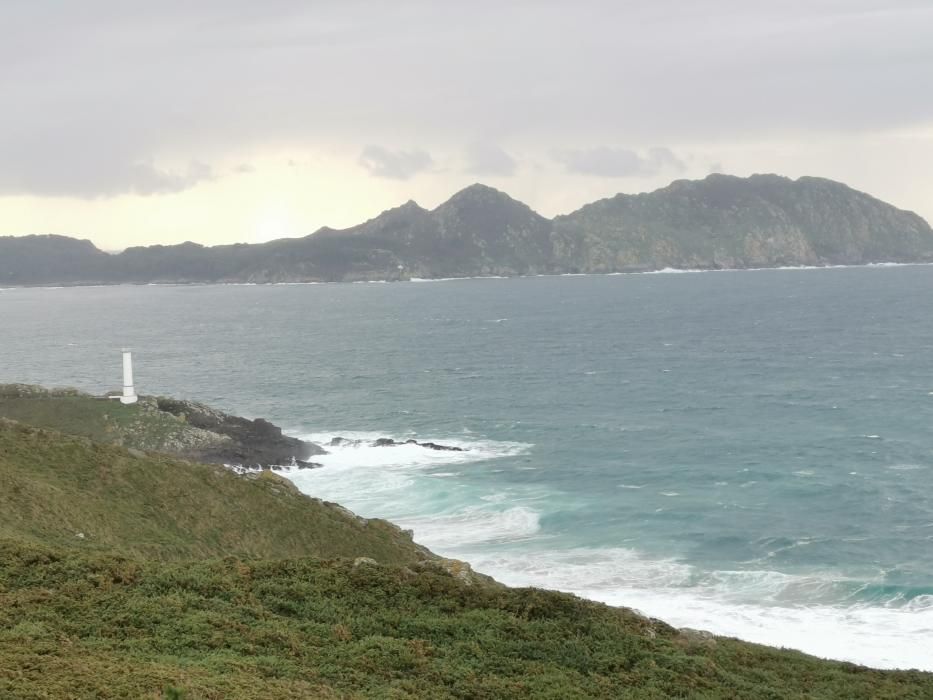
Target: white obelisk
[(129, 391)]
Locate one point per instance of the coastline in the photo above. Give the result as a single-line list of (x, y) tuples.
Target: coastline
[(508, 545), (422, 280)]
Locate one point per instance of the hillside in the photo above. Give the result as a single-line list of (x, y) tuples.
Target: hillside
[(78, 625), (729, 222), (181, 428), (125, 574), (718, 222), (69, 491)]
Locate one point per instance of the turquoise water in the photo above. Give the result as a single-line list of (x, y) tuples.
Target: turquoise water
[(745, 452)]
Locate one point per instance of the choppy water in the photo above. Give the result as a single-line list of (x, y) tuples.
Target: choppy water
[(745, 452)]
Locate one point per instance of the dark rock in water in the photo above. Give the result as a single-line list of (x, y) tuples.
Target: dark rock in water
[(389, 442), (445, 448), (343, 442), (301, 464)]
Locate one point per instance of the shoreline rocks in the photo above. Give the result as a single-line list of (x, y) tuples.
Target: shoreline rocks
[(250, 443), (390, 442)]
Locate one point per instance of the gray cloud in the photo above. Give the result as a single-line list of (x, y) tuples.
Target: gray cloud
[(100, 178), (396, 165), (96, 87), (619, 162), (488, 159)]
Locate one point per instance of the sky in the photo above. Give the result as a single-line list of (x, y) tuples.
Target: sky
[(132, 123)]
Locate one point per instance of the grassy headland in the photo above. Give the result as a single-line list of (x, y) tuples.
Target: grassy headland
[(66, 490), (181, 428), (124, 574)]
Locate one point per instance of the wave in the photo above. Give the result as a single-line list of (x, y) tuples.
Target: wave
[(452, 279), (680, 270), (677, 270), (416, 488), (454, 507), (766, 607), (360, 452), (474, 525)]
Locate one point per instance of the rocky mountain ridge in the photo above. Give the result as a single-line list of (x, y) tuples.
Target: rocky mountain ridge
[(720, 222)]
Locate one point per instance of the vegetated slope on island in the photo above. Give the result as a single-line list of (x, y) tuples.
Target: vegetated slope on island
[(726, 222), (76, 624), (65, 490), (182, 428), (718, 222)]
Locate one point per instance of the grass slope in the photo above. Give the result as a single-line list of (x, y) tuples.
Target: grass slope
[(70, 491), (75, 625), (126, 575), (69, 411)]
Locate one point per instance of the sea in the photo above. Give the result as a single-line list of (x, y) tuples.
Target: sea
[(748, 452)]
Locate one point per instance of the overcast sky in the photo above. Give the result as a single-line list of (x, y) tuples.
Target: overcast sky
[(140, 122)]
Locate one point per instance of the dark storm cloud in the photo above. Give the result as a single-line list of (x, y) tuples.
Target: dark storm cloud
[(176, 81), (488, 159), (396, 165), (619, 162)]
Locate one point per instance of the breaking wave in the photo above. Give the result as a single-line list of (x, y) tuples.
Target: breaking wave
[(499, 531), (767, 607)]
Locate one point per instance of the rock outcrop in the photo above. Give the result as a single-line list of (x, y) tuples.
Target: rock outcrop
[(390, 442), (184, 429), (251, 443)]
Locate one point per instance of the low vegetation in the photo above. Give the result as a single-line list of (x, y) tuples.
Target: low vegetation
[(181, 428), (133, 575), (140, 426), (66, 490), (78, 625)]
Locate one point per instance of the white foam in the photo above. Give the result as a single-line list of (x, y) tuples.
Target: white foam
[(409, 484), (673, 271), (499, 533), (733, 603), (473, 525), (451, 279), (365, 455)]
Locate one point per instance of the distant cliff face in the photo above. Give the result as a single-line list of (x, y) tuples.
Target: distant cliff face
[(730, 222), (718, 222)]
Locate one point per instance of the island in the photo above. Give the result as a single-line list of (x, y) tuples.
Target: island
[(719, 222)]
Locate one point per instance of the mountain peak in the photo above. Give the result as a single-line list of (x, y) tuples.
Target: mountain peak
[(410, 205), (478, 191)]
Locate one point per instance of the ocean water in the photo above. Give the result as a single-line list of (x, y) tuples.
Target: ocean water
[(745, 452)]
